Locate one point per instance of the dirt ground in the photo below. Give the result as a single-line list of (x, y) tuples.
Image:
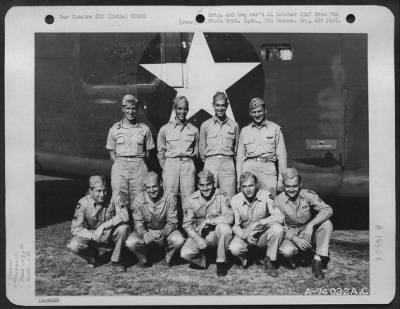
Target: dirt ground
[(59, 272)]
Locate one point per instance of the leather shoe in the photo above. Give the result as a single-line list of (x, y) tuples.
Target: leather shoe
[(292, 262), (221, 269), (92, 262), (316, 267), (269, 268)]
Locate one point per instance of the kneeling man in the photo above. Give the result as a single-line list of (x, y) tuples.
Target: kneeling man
[(155, 217), (207, 221), (97, 223), (257, 223), (304, 231)]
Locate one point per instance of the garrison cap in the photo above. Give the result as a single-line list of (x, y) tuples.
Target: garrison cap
[(129, 99), (256, 102), (206, 175), (290, 173), (150, 176), (180, 99), (96, 181)]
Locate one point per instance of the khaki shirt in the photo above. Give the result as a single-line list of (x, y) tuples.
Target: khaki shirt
[(256, 215), (198, 210), (130, 140), (89, 215), (266, 142), (218, 138), (299, 211), (162, 215), (177, 140)]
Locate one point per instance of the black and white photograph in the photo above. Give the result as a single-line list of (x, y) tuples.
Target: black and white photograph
[(182, 161)]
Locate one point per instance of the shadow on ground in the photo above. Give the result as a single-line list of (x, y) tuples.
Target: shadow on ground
[(59, 272)]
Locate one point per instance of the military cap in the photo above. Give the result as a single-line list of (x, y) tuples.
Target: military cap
[(96, 181), (129, 99), (206, 175), (256, 102), (150, 176), (290, 173)]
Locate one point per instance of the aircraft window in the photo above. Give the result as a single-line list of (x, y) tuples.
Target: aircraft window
[(270, 52)]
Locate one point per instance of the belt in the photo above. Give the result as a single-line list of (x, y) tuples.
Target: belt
[(180, 158), (130, 158), (260, 159), (219, 157)]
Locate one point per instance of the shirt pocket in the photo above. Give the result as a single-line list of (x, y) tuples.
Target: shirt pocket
[(188, 140), (270, 140), (121, 143), (138, 141), (250, 145), (212, 140), (305, 210), (229, 138), (172, 141)]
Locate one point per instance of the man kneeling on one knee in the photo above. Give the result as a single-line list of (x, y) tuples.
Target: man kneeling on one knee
[(304, 231), (97, 223), (257, 223), (155, 218), (207, 221)]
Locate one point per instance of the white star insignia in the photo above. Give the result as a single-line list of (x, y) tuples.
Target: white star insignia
[(201, 77)]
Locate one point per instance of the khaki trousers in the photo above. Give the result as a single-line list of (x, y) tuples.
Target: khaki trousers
[(270, 239), (265, 172), (224, 172), (126, 177), (172, 243), (179, 175), (320, 240), (87, 249), (220, 239)]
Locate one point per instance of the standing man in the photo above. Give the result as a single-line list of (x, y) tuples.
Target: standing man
[(304, 231), (129, 143), (95, 223), (257, 223), (155, 216), (219, 137), (207, 221), (261, 149), (178, 146)]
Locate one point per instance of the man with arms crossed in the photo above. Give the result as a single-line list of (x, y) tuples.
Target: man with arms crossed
[(304, 231), (129, 143), (218, 144), (261, 149), (178, 146), (207, 221), (155, 216), (97, 223), (257, 223)]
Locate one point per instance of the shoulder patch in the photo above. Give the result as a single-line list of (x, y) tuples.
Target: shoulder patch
[(271, 196), (78, 206), (75, 217), (310, 191)]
